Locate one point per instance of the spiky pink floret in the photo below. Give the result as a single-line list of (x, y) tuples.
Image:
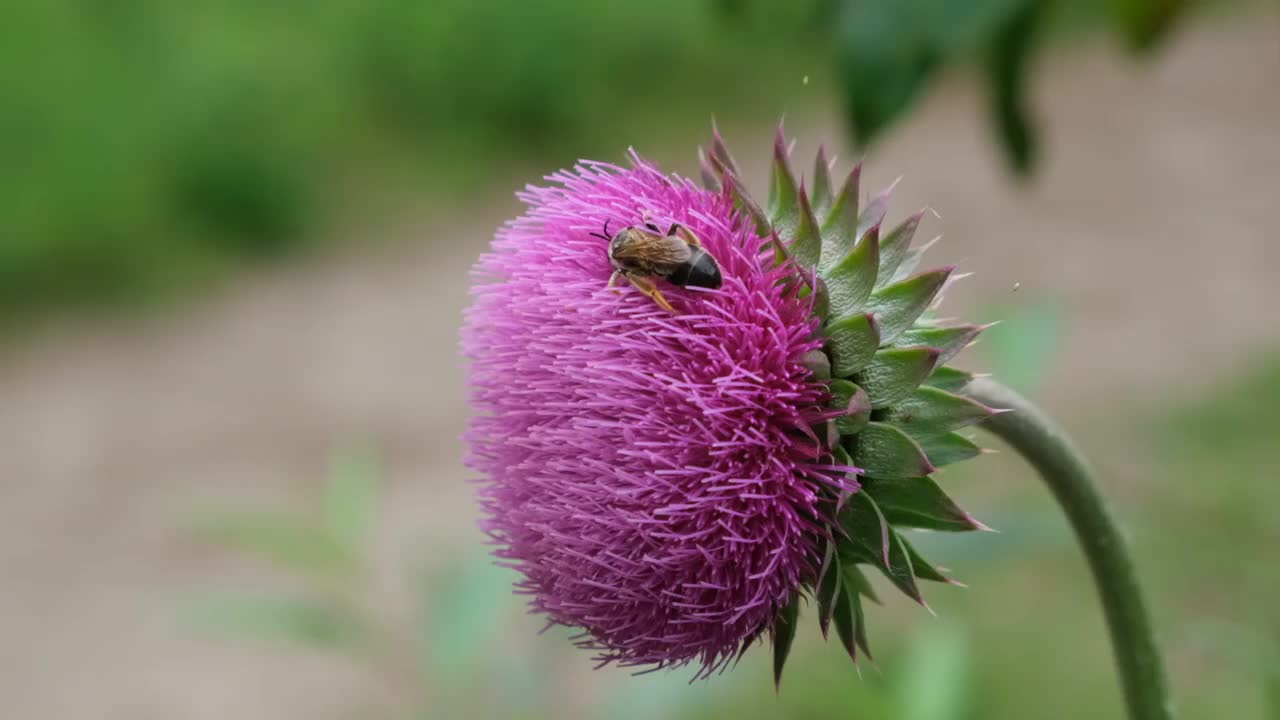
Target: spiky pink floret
[(655, 476)]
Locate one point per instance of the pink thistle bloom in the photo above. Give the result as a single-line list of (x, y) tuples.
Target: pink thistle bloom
[(656, 477)]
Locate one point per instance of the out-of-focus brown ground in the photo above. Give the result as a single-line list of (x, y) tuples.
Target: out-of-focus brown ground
[(1154, 218)]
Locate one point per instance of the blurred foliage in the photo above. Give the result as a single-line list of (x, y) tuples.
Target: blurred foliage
[(1025, 640), (889, 50), (148, 144), (325, 550), (1020, 347), (1215, 499)]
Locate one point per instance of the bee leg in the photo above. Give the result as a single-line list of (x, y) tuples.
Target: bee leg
[(646, 286), (684, 234), (613, 282), (647, 219)]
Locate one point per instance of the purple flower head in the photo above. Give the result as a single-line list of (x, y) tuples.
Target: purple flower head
[(657, 477)]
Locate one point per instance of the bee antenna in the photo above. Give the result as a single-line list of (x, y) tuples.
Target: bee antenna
[(605, 236)]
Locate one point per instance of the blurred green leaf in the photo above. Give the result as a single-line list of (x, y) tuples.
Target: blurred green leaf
[(1252, 652), (1145, 23), (730, 9), (783, 634), (1022, 532), (461, 612), (1006, 67), (1272, 689), (654, 695), (351, 498), (885, 59), (289, 619), (1020, 348), (1227, 420), (966, 27), (890, 49), (147, 145), (933, 679), (289, 542)]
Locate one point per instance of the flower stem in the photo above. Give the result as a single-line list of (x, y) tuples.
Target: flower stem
[(1046, 446)]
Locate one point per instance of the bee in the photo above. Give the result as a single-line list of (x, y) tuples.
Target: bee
[(643, 253)]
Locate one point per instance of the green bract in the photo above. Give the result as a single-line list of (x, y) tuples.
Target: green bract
[(884, 362)]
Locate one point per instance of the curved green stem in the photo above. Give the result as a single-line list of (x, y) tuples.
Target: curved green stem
[(1046, 446)]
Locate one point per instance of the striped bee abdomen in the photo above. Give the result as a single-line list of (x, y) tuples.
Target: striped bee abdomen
[(701, 270)]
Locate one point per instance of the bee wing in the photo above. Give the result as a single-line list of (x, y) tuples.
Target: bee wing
[(655, 251)]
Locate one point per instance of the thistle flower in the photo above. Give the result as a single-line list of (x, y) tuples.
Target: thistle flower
[(670, 482)]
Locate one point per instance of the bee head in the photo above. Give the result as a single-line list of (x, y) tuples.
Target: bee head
[(619, 238), (615, 240)]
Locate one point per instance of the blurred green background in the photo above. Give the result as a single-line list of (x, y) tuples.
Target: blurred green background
[(149, 144), (234, 239)]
